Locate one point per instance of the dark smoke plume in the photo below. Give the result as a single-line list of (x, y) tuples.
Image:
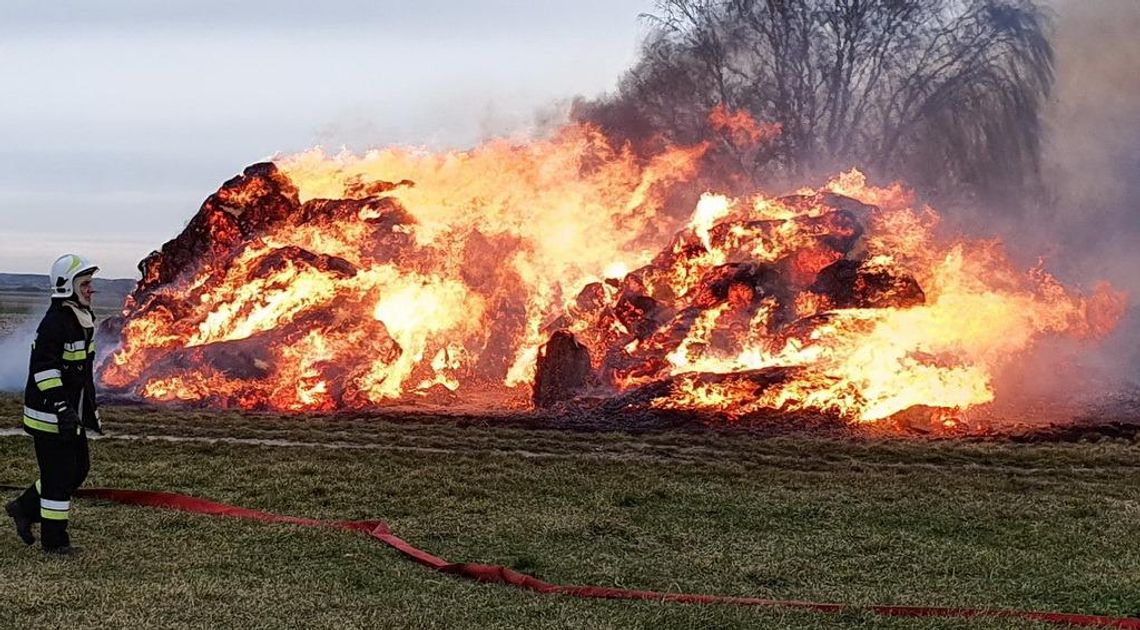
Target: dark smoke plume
[(946, 94)]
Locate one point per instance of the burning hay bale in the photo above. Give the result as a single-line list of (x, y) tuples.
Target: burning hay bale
[(743, 284), (243, 207), (862, 284), (744, 385), (764, 317), (717, 312), (563, 370), (319, 283)]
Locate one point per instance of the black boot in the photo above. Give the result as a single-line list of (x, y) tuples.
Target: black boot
[(65, 550), (23, 523)]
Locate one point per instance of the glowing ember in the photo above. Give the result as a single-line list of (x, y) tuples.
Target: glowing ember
[(326, 282)]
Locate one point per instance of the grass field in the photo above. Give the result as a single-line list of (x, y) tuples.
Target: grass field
[(1051, 527)]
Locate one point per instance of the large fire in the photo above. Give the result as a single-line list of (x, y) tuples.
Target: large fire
[(322, 282)]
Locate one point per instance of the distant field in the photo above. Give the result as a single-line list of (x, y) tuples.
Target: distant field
[(19, 305), (860, 521), (20, 302)]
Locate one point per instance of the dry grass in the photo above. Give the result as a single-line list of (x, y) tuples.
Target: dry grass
[(856, 521)]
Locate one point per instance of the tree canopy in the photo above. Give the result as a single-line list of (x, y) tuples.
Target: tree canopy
[(945, 93)]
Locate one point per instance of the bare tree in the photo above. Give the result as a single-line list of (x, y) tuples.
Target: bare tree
[(946, 93)]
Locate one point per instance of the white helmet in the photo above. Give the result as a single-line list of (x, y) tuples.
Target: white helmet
[(64, 271)]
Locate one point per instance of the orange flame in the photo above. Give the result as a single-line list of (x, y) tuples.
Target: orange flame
[(741, 128), (869, 364), (354, 280)]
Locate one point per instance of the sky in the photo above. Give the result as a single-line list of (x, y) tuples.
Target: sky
[(119, 117)]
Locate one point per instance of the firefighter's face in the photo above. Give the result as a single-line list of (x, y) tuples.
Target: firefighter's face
[(84, 290)]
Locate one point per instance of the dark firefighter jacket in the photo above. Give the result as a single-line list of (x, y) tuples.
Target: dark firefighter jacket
[(60, 375)]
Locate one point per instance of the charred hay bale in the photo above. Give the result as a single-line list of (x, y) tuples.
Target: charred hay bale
[(244, 206), (591, 299), (855, 284), (750, 384), (750, 281), (256, 367), (245, 359), (827, 200), (757, 380), (212, 233), (283, 257), (838, 230), (670, 335), (623, 364), (590, 307), (601, 333), (640, 314), (646, 359), (818, 330), (633, 283), (383, 211), (801, 268), (382, 240), (563, 370), (684, 247), (261, 197), (620, 368), (654, 280)]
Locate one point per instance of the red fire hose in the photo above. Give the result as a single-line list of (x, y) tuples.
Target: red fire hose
[(502, 575)]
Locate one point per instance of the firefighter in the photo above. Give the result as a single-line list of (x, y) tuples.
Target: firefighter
[(59, 406)]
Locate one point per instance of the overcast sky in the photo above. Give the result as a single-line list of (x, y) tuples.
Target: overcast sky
[(119, 117)]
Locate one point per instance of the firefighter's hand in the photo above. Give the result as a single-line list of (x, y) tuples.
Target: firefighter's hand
[(68, 423), (95, 423)]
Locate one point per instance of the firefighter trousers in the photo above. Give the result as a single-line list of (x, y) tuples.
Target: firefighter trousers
[(63, 467)]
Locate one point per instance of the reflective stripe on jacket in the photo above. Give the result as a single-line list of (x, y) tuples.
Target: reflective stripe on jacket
[(60, 371)]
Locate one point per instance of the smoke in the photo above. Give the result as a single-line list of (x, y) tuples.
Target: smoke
[(1087, 225), (15, 345), (1092, 158), (1094, 124)]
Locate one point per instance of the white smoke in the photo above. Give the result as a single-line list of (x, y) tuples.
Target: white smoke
[(15, 349), (1092, 155)]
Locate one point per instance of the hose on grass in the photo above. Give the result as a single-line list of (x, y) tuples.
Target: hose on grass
[(491, 573)]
